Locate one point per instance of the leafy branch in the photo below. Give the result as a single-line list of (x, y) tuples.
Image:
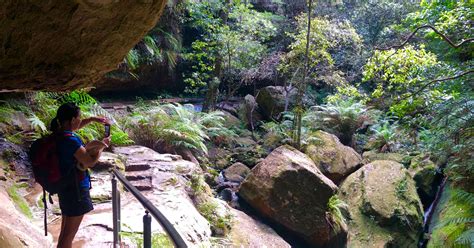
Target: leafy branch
[(435, 81), (443, 36)]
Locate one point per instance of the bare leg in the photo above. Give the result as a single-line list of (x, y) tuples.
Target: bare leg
[(63, 221), (71, 225)]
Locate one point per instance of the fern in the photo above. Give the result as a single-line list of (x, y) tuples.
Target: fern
[(334, 206), (37, 124), (457, 223), (176, 125), (132, 59)]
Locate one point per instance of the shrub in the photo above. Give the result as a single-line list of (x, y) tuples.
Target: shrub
[(342, 118), (175, 126)]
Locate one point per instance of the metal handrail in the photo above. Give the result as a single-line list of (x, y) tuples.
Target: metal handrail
[(150, 209)]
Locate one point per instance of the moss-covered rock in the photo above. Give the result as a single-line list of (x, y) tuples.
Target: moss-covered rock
[(423, 171), (374, 155), (333, 159), (384, 208), (16, 230), (288, 188), (271, 101)]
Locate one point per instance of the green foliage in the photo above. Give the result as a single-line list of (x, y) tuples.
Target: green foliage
[(227, 46), (334, 46), (209, 210), (41, 107), (335, 205), (385, 134), (342, 118), (158, 240), (394, 75), (452, 18), (176, 126), (457, 221), (19, 201)]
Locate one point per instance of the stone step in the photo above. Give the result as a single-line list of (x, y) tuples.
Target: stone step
[(138, 175), (137, 167), (142, 185)]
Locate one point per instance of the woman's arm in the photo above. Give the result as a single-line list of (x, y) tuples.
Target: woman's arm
[(85, 159)]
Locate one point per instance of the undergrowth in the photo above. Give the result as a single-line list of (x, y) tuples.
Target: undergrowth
[(19, 201)]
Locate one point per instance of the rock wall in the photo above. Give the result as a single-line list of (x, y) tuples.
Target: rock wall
[(61, 45)]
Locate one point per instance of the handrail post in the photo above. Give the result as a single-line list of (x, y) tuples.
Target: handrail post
[(146, 230), (114, 211)]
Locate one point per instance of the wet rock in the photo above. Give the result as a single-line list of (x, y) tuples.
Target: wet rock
[(16, 157), (15, 229), (271, 101), (109, 160), (166, 189), (384, 208), (288, 188), (226, 194), (59, 45), (248, 232), (334, 160), (236, 172)]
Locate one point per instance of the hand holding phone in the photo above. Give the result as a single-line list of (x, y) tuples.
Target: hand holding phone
[(107, 130)]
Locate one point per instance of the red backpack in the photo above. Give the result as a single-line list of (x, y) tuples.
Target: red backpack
[(46, 165), (46, 169)]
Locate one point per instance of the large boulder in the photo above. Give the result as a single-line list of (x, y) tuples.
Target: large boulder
[(248, 232), (288, 188), (271, 101), (334, 160), (61, 45), (384, 208)]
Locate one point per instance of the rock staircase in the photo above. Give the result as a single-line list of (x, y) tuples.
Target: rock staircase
[(139, 174)]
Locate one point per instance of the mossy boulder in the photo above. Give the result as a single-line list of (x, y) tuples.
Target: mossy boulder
[(384, 208), (271, 101), (333, 159), (423, 171), (374, 155), (288, 188)]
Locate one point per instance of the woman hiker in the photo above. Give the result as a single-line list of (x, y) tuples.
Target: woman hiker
[(74, 200)]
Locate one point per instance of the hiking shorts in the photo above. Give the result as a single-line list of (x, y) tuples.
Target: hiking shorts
[(74, 203)]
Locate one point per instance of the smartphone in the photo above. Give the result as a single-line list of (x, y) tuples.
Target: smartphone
[(107, 130)]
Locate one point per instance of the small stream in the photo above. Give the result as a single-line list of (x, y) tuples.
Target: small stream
[(439, 183)]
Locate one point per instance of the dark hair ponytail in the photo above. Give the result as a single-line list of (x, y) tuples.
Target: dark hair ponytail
[(65, 113)]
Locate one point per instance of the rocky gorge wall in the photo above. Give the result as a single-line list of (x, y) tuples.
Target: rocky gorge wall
[(62, 45)]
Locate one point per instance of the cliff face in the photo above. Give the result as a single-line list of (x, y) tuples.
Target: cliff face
[(67, 44)]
